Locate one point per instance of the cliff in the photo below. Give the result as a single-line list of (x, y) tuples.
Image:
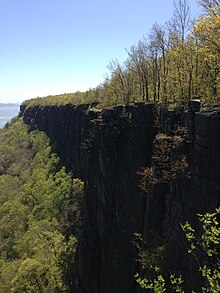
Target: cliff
[(106, 148)]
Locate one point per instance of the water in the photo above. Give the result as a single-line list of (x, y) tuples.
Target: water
[(7, 112)]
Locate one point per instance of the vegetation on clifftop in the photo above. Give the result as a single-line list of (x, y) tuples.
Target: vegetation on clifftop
[(172, 64)]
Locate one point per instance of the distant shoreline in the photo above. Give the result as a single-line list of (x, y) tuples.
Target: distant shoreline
[(7, 112), (9, 104)]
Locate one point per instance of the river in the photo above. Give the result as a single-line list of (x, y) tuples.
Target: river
[(7, 112)]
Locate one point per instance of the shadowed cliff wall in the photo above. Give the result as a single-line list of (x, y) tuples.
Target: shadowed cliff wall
[(197, 191), (106, 149)]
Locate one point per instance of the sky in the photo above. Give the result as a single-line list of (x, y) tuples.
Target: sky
[(61, 46)]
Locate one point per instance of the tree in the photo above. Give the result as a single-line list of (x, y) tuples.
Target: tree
[(181, 18), (204, 248), (210, 6), (208, 34), (159, 67), (122, 81), (140, 64)]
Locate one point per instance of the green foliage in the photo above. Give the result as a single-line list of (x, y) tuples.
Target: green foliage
[(90, 96), (207, 244), (39, 214), (168, 66), (158, 284), (66, 260), (151, 253), (205, 249)]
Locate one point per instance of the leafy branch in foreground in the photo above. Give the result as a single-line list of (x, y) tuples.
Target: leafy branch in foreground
[(204, 248)]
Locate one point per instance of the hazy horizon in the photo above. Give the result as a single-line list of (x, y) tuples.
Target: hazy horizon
[(13, 104)]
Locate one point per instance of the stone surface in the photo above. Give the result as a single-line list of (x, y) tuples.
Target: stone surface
[(106, 149)]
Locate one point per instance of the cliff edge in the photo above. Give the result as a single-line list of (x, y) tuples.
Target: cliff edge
[(106, 148)]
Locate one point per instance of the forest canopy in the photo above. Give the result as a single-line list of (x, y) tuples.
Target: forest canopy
[(39, 214)]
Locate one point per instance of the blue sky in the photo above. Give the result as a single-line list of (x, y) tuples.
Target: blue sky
[(57, 46)]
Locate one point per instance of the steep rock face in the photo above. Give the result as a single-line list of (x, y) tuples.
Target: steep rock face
[(114, 203), (106, 149), (195, 192), (68, 127), (207, 157)]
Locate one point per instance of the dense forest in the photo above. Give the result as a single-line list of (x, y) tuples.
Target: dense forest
[(39, 214), (170, 65)]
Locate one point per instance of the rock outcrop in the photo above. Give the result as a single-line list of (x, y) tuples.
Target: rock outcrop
[(106, 148)]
